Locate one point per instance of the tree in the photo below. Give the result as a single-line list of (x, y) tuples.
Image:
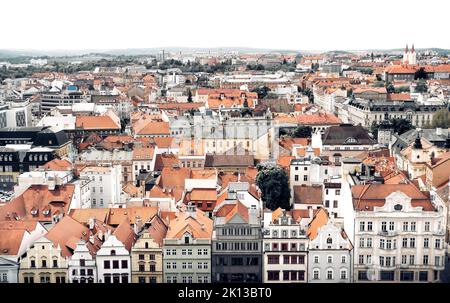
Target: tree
[(273, 182), (441, 119), (189, 98), (302, 132), (390, 89), (262, 91), (420, 74), (421, 87), (400, 125)]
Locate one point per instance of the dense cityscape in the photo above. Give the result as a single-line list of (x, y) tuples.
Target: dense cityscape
[(225, 165)]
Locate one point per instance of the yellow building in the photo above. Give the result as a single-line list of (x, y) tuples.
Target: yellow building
[(43, 263), (146, 254)]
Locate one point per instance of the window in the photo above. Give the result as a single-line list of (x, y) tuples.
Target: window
[(343, 274), (329, 259), (423, 276), (362, 276), (369, 242), (383, 226), (106, 264), (141, 267), (273, 275), (361, 259), (55, 263), (141, 257), (329, 274), (152, 268), (316, 259), (329, 241), (405, 242), (335, 204), (273, 259), (437, 243), (362, 226), (413, 226), (305, 178), (391, 226), (411, 260), (412, 242), (316, 275), (115, 264), (369, 226), (425, 260), (33, 263), (406, 276), (437, 261), (44, 263), (382, 243), (343, 259), (405, 226), (426, 242), (427, 226), (338, 192), (404, 259)]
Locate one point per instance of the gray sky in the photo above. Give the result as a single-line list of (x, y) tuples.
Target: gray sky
[(277, 24)]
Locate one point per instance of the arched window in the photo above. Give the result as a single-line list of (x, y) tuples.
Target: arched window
[(316, 274), (113, 252), (329, 240), (146, 244), (329, 274)]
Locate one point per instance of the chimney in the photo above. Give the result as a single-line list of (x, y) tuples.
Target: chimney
[(91, 223)]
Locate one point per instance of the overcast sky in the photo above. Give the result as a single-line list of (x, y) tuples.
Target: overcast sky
[(276, 24)]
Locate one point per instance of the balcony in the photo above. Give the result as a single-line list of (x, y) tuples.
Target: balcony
[(388, 233)]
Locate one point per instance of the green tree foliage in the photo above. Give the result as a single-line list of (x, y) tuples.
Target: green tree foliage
[(402, 89), (390, 89), (421, 87), (302, 132), (273, 182), (441, 119), (420, 74), (262, 91), (399, 126)]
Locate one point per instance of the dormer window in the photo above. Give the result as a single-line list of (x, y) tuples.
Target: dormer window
[(113, 252), (398, 207), (186, 240), (329, 241), (351, 140)]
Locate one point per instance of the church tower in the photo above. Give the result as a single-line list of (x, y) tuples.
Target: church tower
[(409, 56)]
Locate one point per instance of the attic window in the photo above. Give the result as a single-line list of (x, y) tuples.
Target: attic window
[(398, 207), (350, 140)]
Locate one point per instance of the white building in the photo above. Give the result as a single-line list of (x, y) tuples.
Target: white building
[(399, 234), (330, 258), (285, 247), (113, 259), (82, 267), (105, 185)]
